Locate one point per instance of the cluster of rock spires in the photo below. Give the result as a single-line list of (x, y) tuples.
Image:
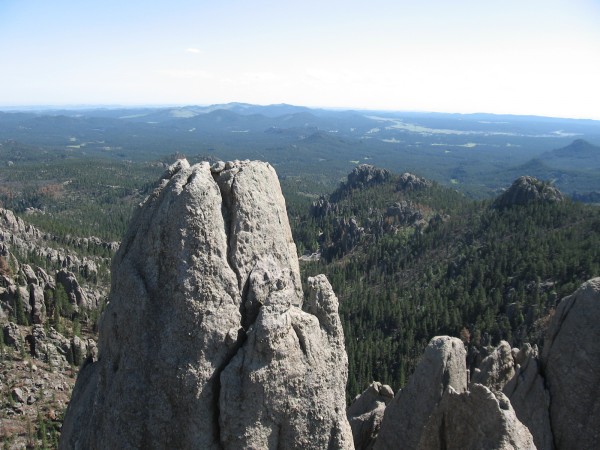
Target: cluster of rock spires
[(19, 238), (513, 399), (347, 232), (208, 342), (34, 290)]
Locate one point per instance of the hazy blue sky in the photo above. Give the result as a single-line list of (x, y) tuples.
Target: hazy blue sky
[(510, 56)]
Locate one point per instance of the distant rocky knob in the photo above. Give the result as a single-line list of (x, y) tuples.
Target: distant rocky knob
[(205, 342), (526, 190), (366, 175)]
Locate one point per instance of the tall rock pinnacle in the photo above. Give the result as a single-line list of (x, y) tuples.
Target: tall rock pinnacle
[(204, 341)]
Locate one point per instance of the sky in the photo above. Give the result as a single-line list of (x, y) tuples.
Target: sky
[(507, 57)]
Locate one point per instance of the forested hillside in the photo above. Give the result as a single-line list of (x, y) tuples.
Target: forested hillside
[(408, 257), (410, 260)]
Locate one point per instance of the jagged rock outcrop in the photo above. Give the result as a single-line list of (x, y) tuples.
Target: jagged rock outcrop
[(436, 411), (362, 176), (366, 175), (38, 305), (19, 240), (207, 280), (529, 397), (404, 212), (57, 350), (77, 297), (17, 232), (366, 413), (517, 374), (571, 358), (411, 182), (13, 225), (443, 365), (323, 207), (496, 369), (12, 335), (527, 190), (28, 274), (476, 419)]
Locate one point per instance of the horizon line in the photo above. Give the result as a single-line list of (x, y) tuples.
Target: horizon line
[(114, 106)]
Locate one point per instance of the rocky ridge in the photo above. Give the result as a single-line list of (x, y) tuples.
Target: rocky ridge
[(43, 308), (206, 290)]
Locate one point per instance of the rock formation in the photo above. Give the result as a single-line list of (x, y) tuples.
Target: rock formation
[(404, 212), (436, 411), (411, 182), (529, 397), (476, 419), (496, 369), (571, 358), (443, 366), (23, 238), (285, 387), (77, 297), (527, 190), (204, 343), (365, 175), (366, 413), (362, 176)]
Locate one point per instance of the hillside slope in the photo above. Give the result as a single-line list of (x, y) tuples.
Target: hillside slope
[(413, 260)]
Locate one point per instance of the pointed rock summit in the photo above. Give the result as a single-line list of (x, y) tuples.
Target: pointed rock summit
[(205, 342)]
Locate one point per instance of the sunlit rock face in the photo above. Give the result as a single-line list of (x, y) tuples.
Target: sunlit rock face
[(204, 343)]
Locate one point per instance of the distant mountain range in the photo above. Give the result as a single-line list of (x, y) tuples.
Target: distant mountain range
[(476, 153)]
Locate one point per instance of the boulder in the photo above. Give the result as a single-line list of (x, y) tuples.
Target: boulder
[(443, 365), (570, 360), (18, 395)]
